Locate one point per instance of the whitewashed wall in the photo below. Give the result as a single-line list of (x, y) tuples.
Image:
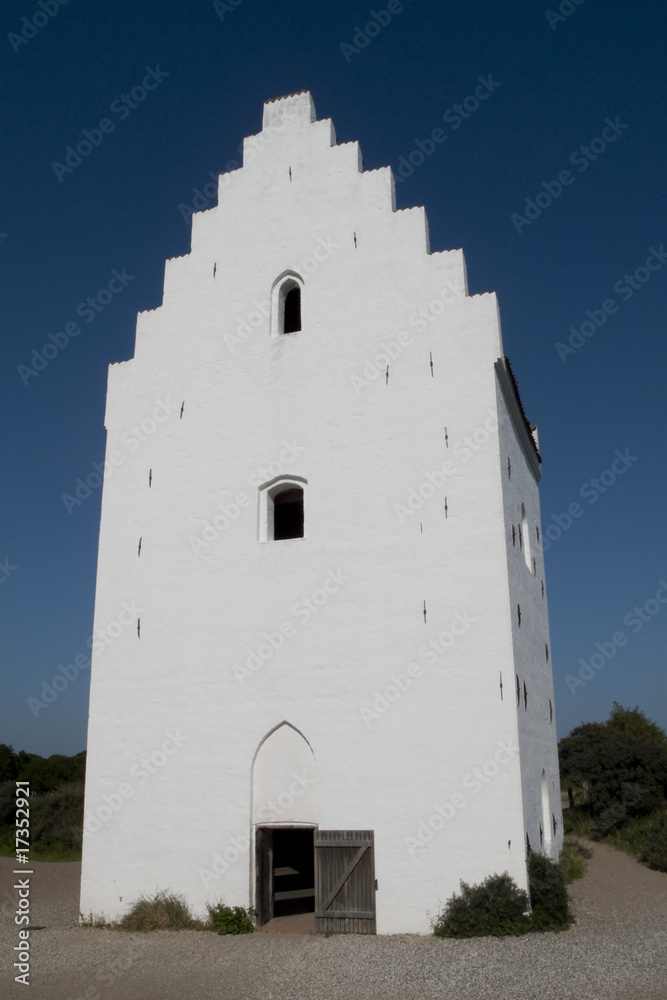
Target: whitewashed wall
[(328, 632)]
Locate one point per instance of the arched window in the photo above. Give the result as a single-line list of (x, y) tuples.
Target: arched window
[(286, 304), (282, 509), (288, 513), (526, 538), (292, 312)]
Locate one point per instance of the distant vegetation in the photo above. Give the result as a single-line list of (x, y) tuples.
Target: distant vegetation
[(56, 803), (617, 772)]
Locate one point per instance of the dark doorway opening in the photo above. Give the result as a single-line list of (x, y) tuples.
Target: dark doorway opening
[(285, 873), (292, 322), (288, 514)]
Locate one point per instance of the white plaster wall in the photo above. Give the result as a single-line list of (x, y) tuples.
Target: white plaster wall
[(532, 645), (385, 762), (284, 780)]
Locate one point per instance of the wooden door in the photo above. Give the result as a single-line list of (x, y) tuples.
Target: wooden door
[(264, 889), (344, 881)]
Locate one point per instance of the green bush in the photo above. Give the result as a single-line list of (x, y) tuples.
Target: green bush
[(56, 803), (548, 895), (56, 822), (45, 774), (621, 765), (231, 919), (608, 819), (635, 722), (161, 912), (11, 763), (497, 906), (653, 851)]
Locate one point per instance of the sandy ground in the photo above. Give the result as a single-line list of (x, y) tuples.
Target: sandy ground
[(616, 951)]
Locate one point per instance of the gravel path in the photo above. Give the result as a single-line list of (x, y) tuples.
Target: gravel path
[(616, 951)]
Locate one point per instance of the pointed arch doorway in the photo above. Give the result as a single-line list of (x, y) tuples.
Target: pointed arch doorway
[(299, 869), (285, 816)]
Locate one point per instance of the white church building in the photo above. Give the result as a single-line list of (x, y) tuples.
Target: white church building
[(321, 680)]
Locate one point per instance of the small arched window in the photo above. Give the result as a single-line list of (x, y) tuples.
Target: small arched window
[(288, 513), (282, 509), (286, 304), (526, 537), (292, 311)]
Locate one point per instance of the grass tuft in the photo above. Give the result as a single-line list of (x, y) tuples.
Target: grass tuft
[(573, 858), (161, 912)]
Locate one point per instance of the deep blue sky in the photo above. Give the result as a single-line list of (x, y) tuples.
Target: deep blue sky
[(119, 208)]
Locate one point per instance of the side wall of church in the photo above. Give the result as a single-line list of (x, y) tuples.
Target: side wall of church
[(531, 686)]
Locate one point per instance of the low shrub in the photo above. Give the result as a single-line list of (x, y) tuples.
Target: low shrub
[(498, 907), (231, 919), (653, 850), (161, 912), (495, 907), (548, 896)]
